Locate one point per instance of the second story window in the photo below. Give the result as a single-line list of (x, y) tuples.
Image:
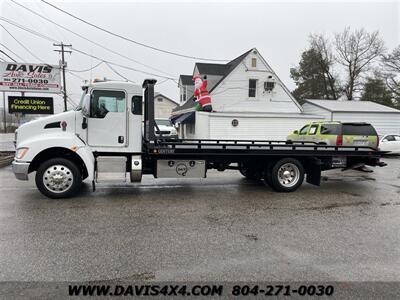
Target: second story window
[(252, 88), (254, 62), (184, 94)]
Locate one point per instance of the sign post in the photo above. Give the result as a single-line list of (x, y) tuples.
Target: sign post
[(4, 112)]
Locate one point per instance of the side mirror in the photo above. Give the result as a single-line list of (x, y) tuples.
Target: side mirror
[(86, 105), (296, 132)]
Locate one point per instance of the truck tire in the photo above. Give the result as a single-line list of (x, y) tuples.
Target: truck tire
[(287, 175), (251, 174), (58, 178)]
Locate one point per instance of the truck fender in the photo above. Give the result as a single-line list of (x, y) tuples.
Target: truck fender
[(68, 141), (88, 158)]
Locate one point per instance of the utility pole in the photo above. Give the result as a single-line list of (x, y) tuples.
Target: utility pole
[(63, 65), (4, 112)]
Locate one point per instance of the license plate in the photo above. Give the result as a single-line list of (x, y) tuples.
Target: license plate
[(360, 143), (339, 162)]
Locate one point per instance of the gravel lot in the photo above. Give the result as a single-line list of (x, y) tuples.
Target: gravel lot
[(220, 228)]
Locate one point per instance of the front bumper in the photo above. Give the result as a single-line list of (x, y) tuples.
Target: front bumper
[(20, 169)]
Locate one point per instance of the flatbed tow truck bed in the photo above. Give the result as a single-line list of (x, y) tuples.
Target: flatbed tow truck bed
[(259, 148)]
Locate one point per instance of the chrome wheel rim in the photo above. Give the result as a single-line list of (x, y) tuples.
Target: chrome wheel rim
[(58, 179), (288, 174)]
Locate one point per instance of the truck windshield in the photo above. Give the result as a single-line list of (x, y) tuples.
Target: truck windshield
[(79, 107)]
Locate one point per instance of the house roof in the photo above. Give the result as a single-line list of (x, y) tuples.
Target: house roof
[(212, 69), (352, 106), (186, 79), (156, 94), (228, 68)]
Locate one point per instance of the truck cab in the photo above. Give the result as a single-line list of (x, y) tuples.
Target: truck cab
[(106, 126)]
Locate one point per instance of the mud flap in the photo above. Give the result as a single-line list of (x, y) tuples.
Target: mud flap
[(314, 174)]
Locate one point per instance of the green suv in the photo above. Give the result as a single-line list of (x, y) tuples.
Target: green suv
[(337, 134)]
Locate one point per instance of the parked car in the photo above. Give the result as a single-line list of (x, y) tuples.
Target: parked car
[(337, 133), (390, 142), (166, 128)]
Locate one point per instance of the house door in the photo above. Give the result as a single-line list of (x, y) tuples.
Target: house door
[(107, 125)]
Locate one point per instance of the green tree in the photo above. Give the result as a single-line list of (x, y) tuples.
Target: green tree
[(375, 90), (314, 77)]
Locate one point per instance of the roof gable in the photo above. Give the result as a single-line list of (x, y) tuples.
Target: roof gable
[(165, 97), (229, 67), (186, 79)]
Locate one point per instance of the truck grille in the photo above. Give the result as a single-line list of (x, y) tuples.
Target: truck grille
[(163, 132)]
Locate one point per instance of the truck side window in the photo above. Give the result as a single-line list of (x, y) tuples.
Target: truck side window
[(304, 130), (104, 102), (137, 105)]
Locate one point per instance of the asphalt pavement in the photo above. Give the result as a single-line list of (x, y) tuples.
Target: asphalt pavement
[(216, 229)]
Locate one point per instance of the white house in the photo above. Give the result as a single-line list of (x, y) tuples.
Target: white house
[(386, 120), (249, 102), (163, 106)]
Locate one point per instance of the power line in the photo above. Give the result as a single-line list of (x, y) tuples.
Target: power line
[(116, 72), (86, 70), (28, 29), (19, 57), (119, 65), (22, 45), (85, 38), (76, 75), (41, 35), (8, 56), (129, 39)]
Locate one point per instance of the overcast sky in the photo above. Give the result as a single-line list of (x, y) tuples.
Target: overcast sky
[(223, 30)]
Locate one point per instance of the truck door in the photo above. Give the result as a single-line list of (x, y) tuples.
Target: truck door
[(107, 124)]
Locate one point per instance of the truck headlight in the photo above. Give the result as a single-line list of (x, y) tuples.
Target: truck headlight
[(20, 152)]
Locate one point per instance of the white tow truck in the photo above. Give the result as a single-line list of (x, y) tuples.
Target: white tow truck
[(103, 140)]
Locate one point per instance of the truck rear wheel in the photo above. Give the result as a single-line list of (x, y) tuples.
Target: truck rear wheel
[(250, 174), (287, 175), (58, 178)]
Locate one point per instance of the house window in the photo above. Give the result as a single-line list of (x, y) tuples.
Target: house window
[(159, 99), (184, 94), (252, 88), (254, 62)]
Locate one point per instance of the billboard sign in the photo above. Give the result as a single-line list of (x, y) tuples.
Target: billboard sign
[(31, 105), (24, 77)]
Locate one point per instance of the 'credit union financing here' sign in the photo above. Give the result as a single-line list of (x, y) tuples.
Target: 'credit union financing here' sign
[(30, 105)]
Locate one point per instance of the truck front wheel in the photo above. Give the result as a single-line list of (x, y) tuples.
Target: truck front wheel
[(287, 175), (58, 178)]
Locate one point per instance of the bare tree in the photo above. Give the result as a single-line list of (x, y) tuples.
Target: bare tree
[(392, 65), (323, 48), (356, 51)]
